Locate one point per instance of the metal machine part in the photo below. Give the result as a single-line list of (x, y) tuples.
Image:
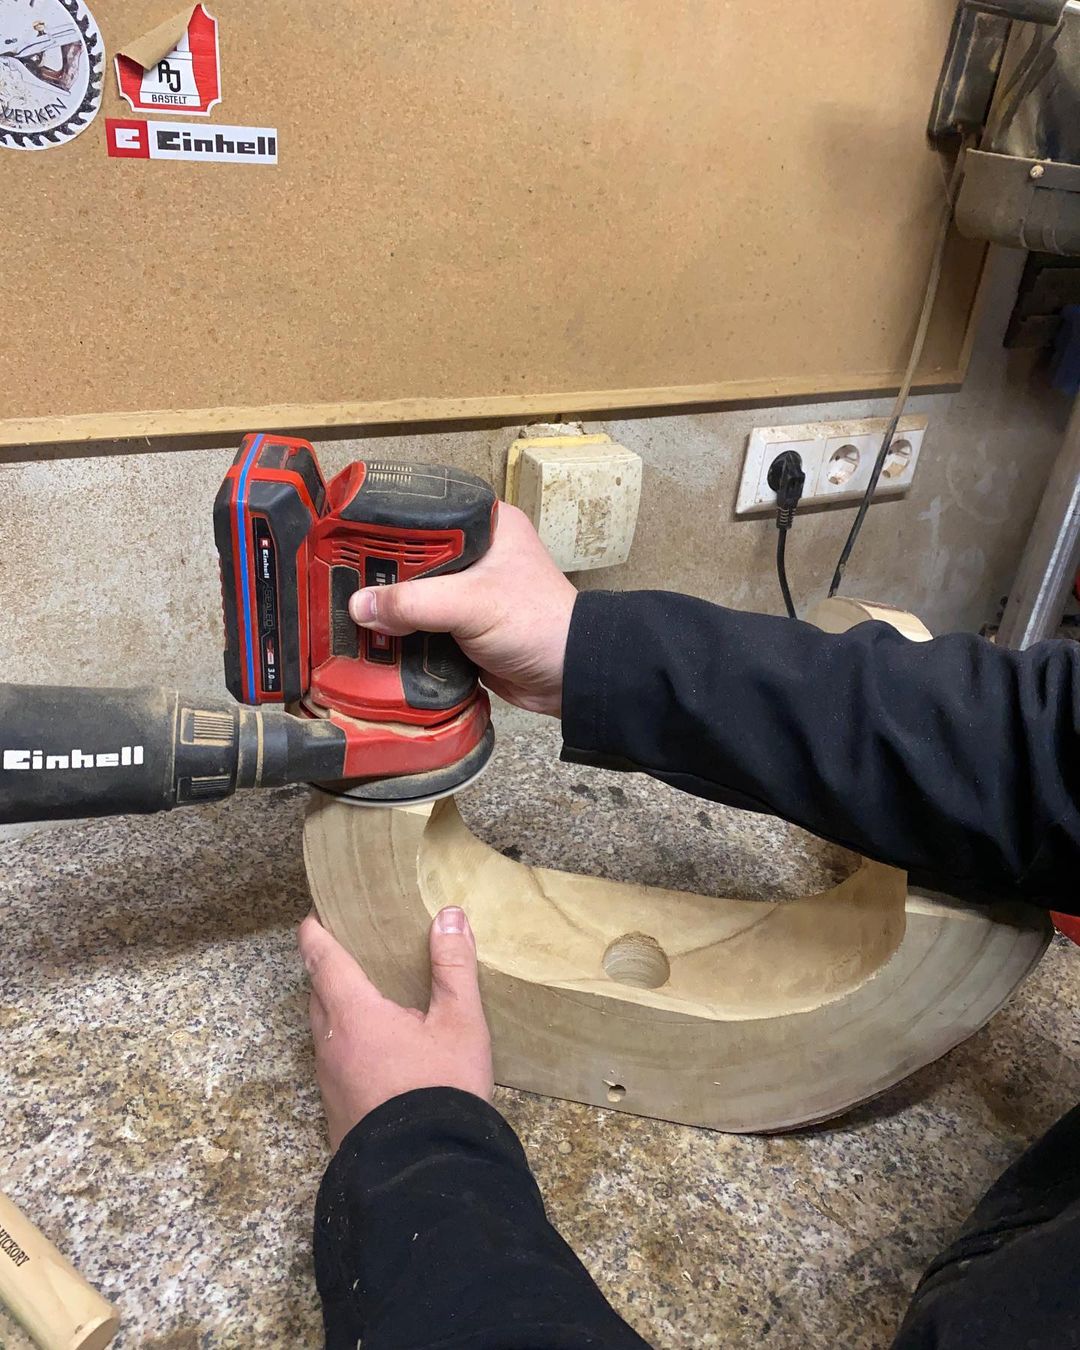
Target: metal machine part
[(1011, 81), (1011, 78), (1049, 565)]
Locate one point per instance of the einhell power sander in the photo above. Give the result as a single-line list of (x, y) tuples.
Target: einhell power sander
[(381, 721)]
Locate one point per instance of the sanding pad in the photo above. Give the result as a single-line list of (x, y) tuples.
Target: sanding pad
[(415, 789)]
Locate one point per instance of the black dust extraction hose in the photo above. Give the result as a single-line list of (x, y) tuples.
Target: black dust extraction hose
[(66, 753)]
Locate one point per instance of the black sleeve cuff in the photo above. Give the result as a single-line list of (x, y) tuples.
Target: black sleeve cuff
[(429, 1229), (401, 1120), (416, 1133), (588, 678)]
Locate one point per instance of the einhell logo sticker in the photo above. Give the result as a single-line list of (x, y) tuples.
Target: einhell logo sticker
[(191, 141), (184, 79)]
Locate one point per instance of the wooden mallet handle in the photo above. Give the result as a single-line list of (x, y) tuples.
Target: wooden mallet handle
[(45, 1291)]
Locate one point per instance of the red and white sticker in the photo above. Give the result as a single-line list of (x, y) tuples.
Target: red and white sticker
[(186, 79), (193, 141)]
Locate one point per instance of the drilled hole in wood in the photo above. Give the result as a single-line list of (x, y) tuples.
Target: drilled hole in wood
[(637, 959)]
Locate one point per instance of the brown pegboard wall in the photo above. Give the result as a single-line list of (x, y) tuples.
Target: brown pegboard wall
[(486, 208)]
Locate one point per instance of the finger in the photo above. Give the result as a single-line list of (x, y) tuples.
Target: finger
[(454, 988), (451, 604), (336, 977)]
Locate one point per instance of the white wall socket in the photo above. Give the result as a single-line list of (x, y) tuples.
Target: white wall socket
[(838, 458)]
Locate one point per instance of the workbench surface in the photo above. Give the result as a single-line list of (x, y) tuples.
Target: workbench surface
[(161, 1122)]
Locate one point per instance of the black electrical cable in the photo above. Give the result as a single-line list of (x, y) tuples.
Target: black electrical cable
[(781, 572), (787, 480), (864, 505)]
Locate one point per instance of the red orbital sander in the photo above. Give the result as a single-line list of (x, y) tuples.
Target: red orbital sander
[(381, 721), (414, 722)]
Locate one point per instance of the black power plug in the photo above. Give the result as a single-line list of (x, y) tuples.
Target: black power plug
[(787, 480)]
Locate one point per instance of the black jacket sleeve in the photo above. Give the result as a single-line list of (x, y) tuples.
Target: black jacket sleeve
[(954, 759), (430, 1232)]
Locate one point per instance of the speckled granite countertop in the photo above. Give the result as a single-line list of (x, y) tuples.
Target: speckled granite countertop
[(161, 1122)]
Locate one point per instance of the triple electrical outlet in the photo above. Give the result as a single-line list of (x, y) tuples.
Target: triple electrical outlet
[(838, 458)]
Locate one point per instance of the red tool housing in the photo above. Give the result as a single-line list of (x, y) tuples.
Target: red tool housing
[(293, 551)]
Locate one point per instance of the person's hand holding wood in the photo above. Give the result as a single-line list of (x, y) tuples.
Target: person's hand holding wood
[(368, 1049)]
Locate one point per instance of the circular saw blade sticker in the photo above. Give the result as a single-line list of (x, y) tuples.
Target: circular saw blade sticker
[(51, 64), (185, 80)]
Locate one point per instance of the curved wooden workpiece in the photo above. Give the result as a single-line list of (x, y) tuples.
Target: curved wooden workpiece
[(685, 953), (734, 1014), (839, 613)]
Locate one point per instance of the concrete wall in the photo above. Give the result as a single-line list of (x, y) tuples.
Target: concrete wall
[(109, 575)]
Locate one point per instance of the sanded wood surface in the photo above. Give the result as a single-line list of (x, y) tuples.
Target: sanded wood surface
[(728, 1043), (839, 613), (485, 208), (705, 955), (733, 1014)]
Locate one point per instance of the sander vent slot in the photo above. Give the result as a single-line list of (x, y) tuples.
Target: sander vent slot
[(207, 788), (409, 553), (379, 471), (344, 635), (202, 727), (414, 480)]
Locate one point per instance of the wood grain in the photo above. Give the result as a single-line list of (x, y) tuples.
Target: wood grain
[(725, 1013), (839, 613), (773, 1019), (489, 209)]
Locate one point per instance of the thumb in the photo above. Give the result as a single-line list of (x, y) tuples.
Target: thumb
[(433, 605), (454, 987)]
